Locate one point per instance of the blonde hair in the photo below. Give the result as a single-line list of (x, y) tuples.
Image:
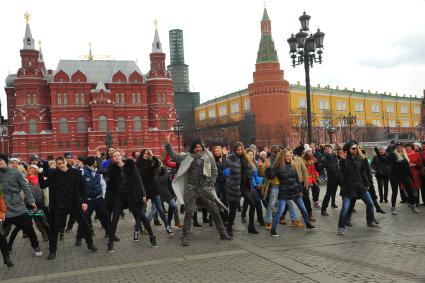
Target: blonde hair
[(279, 162)]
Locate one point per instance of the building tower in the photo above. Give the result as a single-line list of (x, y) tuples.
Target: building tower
[(269, 92), (162, 114)]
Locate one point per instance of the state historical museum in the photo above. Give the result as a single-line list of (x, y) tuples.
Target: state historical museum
[(73, 107)]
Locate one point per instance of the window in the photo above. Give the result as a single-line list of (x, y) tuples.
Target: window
[(103, 124), (376, 123), (417, 110), (139, 100), (164, 99), (390, 108), (246, 104), (65, 99), (82, 99), (323, 105), (34, 100), (375, 108), (341, 106), (324, 122), (163, 123), (392, 123), (406, 124), (81, 125), (403, 109), (137, 124), (301, 103), (202, 115), (28, 99), (360, 122), (77, 98), (32, 129), (223, 110), (122, 98), (211, 113), (63, 126), (359, 107), (117, 98), (121, 124), (59, 99), (235, 107), (133, 98)]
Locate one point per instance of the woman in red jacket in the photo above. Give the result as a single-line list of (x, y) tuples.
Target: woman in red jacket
[(415, 165), (313, 176)]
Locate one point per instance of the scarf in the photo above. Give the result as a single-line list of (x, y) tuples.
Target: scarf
[(207, 162), (33, 179)]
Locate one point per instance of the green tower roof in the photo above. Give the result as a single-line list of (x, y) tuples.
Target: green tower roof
[(266, 51)]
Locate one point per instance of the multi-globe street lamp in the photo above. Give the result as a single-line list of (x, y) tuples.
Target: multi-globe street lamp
[(303, 49), (178, 128), (349, 120)]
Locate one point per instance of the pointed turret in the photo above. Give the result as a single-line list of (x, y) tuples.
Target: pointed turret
[(28, 40), (41, 58), (266, 51), (156, 45)]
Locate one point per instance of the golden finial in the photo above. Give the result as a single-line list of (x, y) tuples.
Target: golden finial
[(90, 57), (155, 23), (27, 17)]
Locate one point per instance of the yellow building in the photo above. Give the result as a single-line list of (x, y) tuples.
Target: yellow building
[(392, 112)]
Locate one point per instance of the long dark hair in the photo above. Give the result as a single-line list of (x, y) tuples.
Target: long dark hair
[(239, 144)]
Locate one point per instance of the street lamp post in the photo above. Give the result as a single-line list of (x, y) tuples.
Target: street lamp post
[(303, 49), (3, 134), (350, 120), (178, 127)]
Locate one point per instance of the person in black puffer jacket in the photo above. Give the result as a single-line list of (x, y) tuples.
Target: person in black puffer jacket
[(289, 188), (331, 164), (382, 166)]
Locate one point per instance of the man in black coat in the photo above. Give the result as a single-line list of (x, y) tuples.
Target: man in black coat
[(67, 195), (331, 163)]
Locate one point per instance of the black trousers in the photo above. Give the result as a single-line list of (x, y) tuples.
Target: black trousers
[(383, 186), (234, 205), (98, 206), (3, 242), (120, 201), (60, 215), (306, 200), (395, 181), (40, 222), (22, 222), (423, 189), (331, 188)]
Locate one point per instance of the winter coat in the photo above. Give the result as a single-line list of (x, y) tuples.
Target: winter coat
[(135, 185), (312, 172), (147, 169), (163, 184), (221, 165), (37, 193), (399, 167), (79, 192), (289, 183), (414, 171), (235, 180), (381, 164), (331, 163), (353, 176), (13, 184)]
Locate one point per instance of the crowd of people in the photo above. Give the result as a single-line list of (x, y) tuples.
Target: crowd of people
[(55, 194)]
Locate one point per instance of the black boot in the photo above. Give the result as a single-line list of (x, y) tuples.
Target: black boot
[(251, 229), (52, 255), (8, 262), (378, 207), (230, 229)]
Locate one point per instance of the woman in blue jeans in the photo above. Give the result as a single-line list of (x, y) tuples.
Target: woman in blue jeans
[(289, 188), (353, 175)]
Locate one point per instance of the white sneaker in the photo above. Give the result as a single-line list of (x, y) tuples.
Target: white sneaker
[(38, 252), (341, 231), (393, 211)]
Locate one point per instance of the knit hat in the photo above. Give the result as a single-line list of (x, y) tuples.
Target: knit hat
[(33, 157), (348, 145), (418, 144), (14, 159), (68, 155), (90, 160), (307, 148), (4, 157)]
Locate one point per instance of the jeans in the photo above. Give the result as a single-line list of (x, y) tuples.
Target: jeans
[(172, 210), (346, 202), (274, 192), (281, 207), (156, 208)]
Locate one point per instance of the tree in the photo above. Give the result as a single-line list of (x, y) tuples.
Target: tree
[(299, 123)]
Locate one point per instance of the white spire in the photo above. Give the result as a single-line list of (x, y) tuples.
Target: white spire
[(28, 40), (40, 53), (156, 45)]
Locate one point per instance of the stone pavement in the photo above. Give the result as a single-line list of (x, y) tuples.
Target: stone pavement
[(394, 253)]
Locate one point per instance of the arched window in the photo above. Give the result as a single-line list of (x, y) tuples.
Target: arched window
[(163, 123), (122, 98), (32, 129), (59, 98), (139, 98), (121, 124), (65, 99), (77, 98), (81, 125), (63, 126), (28, 99), (82, 99), (133, 98), (103, 124), (117, 98), (137, 124), (34, 99)]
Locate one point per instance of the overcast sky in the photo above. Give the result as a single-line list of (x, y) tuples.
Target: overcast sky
[(369, 44)]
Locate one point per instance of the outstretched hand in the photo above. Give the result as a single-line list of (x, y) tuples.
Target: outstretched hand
[(168, 138)]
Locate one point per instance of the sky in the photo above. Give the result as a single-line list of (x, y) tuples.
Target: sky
[(375, 45)]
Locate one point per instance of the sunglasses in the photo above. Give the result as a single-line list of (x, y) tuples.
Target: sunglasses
[(353, 148)]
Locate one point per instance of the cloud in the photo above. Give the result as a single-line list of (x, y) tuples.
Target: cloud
[(408, 50)]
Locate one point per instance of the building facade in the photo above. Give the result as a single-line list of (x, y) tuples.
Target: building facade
[(272, 111), (73, 107)]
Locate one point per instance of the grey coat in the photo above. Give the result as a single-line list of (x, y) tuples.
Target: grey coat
[(235, 179), (13, 184)]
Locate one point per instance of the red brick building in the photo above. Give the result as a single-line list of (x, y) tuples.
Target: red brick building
[(73, 107)]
